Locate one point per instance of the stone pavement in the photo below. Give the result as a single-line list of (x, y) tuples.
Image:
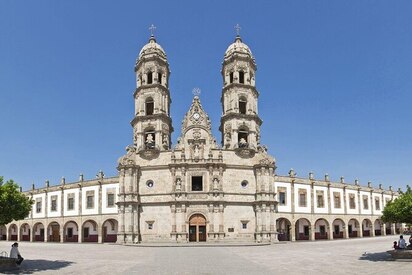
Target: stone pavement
[(354, 256)]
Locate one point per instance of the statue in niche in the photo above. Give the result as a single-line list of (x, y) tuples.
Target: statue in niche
[(178, 184), (165, 141), (150, 141), (196, 153), (242, 143), (215, 184), (227, 139)]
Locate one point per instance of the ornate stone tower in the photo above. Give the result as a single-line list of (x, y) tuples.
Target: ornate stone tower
[(240, 123), (152, 125)]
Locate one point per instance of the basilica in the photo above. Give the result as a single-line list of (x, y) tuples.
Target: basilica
[(202, 189)]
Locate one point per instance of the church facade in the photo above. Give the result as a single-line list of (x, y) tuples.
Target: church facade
[(200, 190)]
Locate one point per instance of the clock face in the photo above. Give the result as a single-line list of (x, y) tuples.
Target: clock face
[(196, 116)]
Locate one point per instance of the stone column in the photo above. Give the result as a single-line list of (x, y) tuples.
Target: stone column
[(330, 232), (79, 233), (393, 229), (293, 231), (19, 233), (372, 229), (61, 232), (312, 229), (345, 207), (211, 219), (383, 229), (46, 233), (360, 230), (346, 231)]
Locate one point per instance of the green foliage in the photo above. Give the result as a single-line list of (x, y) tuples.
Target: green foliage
[(400, 209), (13, 204)]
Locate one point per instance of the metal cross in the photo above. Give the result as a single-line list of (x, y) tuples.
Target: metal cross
[(152, 29), (196, 91), (238, 28)]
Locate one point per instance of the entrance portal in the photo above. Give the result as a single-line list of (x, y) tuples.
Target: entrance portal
[(197, 228)]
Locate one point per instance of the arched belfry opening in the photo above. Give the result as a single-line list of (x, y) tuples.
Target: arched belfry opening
[(149, 106), (197, 228), (241, 77), (242, 138), (242, 105), (149, 78)]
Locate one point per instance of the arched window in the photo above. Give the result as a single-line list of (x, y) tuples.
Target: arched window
[(241, 77), (242, 105), (149, 78), (149, 104), (159, 78), (242, 138), (231, 77)]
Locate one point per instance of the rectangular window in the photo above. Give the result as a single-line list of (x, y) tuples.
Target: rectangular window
[(352, 204), (69, 232), (336, 199), (150, 225), (90, 199), (110, 200), (302, 198), (85, 232), (70, 203), (377, 203), (282, 198), (197, 183), (244, 224), (365, 202), (38, 206), (320, 199), (53, 203), (322, 230), (306, 230)]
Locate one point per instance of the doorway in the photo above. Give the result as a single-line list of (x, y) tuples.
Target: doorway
[(197, 228)]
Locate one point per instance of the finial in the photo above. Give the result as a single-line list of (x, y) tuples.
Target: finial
[(342, 179), (311, 175), (152, 28), (81, 177), (47, 183), (238, 28), (63, 181), (196, 92), (327, 177)]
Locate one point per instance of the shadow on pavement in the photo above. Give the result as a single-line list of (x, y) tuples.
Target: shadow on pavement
[(31, 266), (376, 257)]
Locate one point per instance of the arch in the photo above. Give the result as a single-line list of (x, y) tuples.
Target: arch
[(197, 228), (378, 224), (149, 78), (243, 137), (13, 231), (149, 106), (302, 229), (71, 232), (321, 229), (53, 232), (38, 232), (241, 77), (338, 226), (25, 232), (89, 231), (109, 231), (283, 227), (3, 233), (353, 228), (366, 227), (242, 104)]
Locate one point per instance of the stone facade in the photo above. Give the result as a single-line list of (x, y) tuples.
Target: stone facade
[(199, 190)]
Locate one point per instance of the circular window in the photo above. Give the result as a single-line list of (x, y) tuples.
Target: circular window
[(244, 183), (149, 183)]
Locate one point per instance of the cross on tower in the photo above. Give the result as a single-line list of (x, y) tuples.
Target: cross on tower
[(152, 28), (238, 28), (196, 91)]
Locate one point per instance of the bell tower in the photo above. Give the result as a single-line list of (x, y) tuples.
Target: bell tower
[(152, 125), (240, 122)]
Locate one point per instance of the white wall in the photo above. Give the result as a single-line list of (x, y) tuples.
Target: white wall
[(306, 209), (288, 207)]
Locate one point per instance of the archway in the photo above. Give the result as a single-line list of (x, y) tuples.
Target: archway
[(302, 228), (378, 227), (109, 229), (353, 227), (53, 230), (283, 227), (89, 230), (366, 227), (71, 232), (321, 229), (3, 233), (338, 228), (25, 232), (13, 231), (197, 228), (38, 231)]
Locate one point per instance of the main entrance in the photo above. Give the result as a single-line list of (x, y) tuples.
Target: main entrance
[(197, 228)]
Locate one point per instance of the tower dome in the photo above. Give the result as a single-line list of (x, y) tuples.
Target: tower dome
[(152, 48), (238, 47)]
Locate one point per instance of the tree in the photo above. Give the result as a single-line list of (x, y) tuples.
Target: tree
[(14, 205), (400, 209)]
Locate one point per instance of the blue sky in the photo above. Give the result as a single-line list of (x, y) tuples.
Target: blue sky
[(335, 82)]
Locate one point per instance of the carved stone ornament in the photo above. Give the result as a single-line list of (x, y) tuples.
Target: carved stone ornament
[(128, 159), (267, 162), (245, 152)]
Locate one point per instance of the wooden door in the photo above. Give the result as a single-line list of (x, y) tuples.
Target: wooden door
[(197, 228)]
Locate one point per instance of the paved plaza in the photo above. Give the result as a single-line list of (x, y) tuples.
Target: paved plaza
[(354, 256)]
